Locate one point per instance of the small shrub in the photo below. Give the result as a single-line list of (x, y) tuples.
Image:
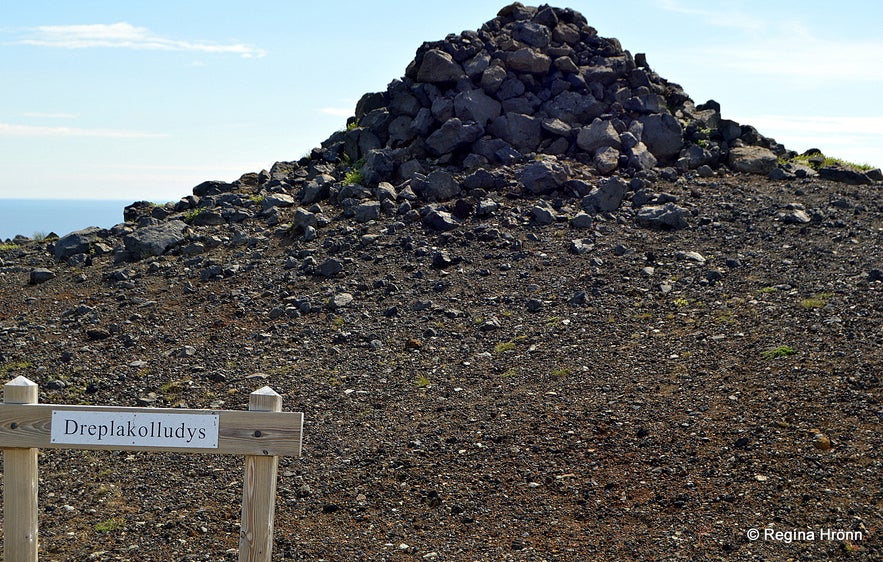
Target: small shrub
[(6, 368), (562, 372), (781, 351), (504, 346), (422, 381), (111, 524), (192, 214), (353, 177), (817, 301)]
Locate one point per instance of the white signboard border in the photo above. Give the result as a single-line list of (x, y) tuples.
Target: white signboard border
[(148, 429)]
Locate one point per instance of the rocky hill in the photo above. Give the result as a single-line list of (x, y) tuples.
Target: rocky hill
[(535, 303)]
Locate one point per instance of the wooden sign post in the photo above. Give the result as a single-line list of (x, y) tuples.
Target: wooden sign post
[(262, 435)]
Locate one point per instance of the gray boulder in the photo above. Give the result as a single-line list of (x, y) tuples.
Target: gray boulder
[(212, 187), (492, 79), (573, 107), (694, 156), (404, 103), (544, 176), (302, 220), (529, 60), (330, 267), (207, 217), (438, 66), (752, 159), (40, 275), (556, 127), (77, 242), (542, 215), (441, 186), (582, 220), (847, 175), (400, 129), (663, 135), (440, 220), (599, 134), (566, 64), (477, 64), (378, 167), (315, 190), (277, 200), (154, 240), (367, 211), (606, 160), (667, 216), (641, 158), (532, 34), (475, 105), (451, 135), (385, 190), (607, 197), (522, 132)]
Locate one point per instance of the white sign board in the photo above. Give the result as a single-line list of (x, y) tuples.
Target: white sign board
[(185, 431)]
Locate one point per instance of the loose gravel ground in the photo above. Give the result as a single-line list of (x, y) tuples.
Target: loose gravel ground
[(488, 393)]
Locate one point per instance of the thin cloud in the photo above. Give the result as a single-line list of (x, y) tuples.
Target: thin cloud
[(869, 125), (811, 58), (123, 35), (41, 115), (12, 130), (172, 168), (791, 50), (727, 15)]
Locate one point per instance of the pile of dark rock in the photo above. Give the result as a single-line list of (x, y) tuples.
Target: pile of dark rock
[(539, 81), (533, 104)]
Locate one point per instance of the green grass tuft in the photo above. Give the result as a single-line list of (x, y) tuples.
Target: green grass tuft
[(192, 214), (7, 368), (781, 351), (504, 346), (818, 161), (111, 524), (353, 177), (817, 301), (422, 381)]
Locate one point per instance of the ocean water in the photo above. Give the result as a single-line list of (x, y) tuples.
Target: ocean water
[(61, 216)]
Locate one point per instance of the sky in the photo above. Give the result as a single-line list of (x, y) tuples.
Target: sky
[(143, 99)]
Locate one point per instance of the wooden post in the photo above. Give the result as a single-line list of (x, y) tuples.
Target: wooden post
[(20, 485), (259, 490)]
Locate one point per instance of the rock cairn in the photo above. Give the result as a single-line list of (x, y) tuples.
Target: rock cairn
[(539, 81), (533, 104)]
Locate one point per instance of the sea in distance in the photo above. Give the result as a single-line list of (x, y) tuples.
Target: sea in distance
[(40, 217)]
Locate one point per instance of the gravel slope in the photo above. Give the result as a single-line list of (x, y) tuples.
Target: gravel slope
[(488, 393)]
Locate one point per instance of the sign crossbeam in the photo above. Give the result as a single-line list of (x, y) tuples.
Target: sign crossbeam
[(262, 434), (238, 432)]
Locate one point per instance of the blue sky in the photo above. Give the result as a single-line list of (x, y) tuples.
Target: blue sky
[(139, 100)]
